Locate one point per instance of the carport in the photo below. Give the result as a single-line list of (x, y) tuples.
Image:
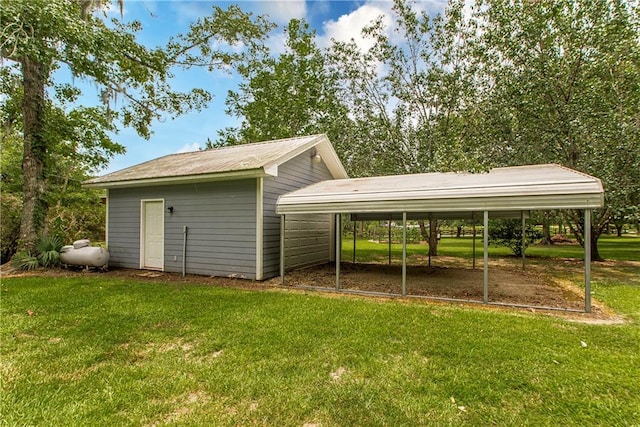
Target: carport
[(509, 192)]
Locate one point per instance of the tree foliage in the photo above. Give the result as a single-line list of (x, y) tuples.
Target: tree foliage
[(39, 37), (561, 84), (508, 232), (289, 95)]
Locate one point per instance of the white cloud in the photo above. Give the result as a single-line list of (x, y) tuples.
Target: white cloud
[(189, 147), (350, 26), (282, 11)]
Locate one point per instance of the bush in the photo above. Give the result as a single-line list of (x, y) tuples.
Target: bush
[(25, 261), (508, 232), (10, 214), (48, 254), (49, 250)]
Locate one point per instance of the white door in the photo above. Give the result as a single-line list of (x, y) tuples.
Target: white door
[(152, 241)]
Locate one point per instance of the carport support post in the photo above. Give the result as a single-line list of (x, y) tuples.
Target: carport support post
[(404, 253), (389, 243), (355, 223), (587, 260), (473, 240), (338, 247), (524, 237), (282, 231), (485, 276)]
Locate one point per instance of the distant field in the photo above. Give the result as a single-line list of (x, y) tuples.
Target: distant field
[(625, 248)]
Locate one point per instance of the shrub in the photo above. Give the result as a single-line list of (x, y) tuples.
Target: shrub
[(508, 232), (49, 250), (25, 261), (10, 214)]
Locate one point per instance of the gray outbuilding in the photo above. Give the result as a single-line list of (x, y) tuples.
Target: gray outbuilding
[(212, 212)]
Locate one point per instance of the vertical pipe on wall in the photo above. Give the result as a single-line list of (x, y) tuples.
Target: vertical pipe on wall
[(587, 260), (184, 250), (338, 247), (282, 240), (485, 275), (404, 253)]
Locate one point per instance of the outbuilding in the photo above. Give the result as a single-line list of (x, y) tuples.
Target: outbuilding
[(500, 193), (212, 212)]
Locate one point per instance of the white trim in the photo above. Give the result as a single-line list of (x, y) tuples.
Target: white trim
[(259, 228), (142, 232), (190, 179), (106, 220)]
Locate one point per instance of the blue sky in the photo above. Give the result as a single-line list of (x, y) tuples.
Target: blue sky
[(161, 19)]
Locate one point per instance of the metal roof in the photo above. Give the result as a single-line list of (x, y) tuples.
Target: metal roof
[(510, 189), (237, 161)]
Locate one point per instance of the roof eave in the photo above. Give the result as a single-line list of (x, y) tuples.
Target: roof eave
[(172, 180), (511, 203)]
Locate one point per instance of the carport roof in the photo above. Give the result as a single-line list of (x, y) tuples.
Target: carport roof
[(510, 189)]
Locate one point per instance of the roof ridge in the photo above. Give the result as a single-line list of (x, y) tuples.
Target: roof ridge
[(226, 147), (271, 141)]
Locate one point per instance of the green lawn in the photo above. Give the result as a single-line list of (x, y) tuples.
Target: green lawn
[(93, 349), (616, 248)]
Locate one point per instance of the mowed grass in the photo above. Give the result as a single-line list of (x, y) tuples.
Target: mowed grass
[(92, 349), (625, 248)]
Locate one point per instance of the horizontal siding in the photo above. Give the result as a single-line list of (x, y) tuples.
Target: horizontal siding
[(220, 217), (312, 246)]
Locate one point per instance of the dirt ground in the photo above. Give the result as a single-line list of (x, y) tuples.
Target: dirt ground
[(507, 283)]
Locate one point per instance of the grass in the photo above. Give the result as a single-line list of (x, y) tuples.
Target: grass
[(92, 349), (616, 248)]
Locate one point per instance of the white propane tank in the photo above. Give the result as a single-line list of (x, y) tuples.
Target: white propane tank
[(83, 254)]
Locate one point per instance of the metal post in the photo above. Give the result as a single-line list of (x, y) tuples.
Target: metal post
[(524, 237), (404, 253), (473, 255), (485, 278), (355, 223), (389, 238), (282, 240), (587, 260), (338, 247), (429, 245)]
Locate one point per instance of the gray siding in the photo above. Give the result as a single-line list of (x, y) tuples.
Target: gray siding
[(308, 237), (220, 217)]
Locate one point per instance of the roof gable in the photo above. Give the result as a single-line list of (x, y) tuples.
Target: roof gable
[(233, 162)]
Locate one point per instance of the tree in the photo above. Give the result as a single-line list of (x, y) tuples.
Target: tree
[(508, 232), (41, 36), (290, 95), (560, 83), (407, 96)]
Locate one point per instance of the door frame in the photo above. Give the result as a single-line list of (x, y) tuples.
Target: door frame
[(143, 227)]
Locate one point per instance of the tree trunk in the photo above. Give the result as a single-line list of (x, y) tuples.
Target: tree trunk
[(34, 204), (619, 229), (458, 231), (576, 224), (546, 230), (433, 237), (423, 230)]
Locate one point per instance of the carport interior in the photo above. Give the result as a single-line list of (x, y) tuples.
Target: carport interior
[(501, 193)]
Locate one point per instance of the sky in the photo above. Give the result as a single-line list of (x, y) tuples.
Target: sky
[(160, 19)]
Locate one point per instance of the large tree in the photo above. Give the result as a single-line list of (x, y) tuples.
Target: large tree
[(41, 36), (288, 95), (407, 95), (560, 83)]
